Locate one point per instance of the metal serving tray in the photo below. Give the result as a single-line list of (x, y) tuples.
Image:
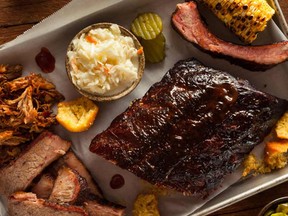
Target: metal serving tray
[(279, 17), (56, 33)]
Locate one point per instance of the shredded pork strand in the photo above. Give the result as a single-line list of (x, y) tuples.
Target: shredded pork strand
[(25, 105)]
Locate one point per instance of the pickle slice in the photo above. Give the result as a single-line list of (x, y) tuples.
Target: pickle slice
[(154, 50), (147, 26)]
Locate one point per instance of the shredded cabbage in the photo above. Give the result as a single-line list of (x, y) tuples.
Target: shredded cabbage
[(103, 61)]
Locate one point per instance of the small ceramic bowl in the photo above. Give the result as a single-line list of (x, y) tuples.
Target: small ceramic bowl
[(273, 205), (121, 93)]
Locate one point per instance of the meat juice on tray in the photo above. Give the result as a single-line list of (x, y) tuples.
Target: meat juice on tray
[(45, 60)]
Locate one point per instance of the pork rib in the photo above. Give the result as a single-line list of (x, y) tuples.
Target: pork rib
[(187, 21), (190, 129), (18, 175)]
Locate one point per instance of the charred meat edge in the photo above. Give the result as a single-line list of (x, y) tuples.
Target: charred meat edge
[(100, 207), (68, 186), (72, 161), (188, 23), (23, 204), (90, 196), (19, 174)]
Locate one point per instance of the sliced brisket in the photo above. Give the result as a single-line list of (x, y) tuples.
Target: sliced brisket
[(102, 208), (68, 186), (187, 21), (72, 161), (18, 175), (190, 129), (44, 186), (23, 204)]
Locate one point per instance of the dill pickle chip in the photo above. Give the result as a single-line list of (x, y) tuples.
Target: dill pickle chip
[(154, 50), (147, 26)]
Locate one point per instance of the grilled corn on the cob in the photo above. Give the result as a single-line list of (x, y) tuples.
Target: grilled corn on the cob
[(243, 17)]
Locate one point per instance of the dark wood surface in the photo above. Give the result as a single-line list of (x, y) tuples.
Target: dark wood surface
[(17, 16)]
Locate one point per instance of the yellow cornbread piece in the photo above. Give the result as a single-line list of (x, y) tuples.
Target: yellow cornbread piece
[(275, 156), (77, 115), (282, 127), (146, 205)]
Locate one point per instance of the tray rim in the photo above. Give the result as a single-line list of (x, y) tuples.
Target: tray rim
[(279, 17), (214, 208)]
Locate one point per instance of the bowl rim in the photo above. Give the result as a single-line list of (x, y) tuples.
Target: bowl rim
[(274, 202), (126, 91)]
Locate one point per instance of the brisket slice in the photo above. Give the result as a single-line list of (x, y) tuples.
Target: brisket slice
[(68, 186), (190, 129), (72, 161), (18, 175), (187, 21), (23, 204), (44, 186), (102, 208)]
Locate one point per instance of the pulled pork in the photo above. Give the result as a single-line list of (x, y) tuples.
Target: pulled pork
[(25, 105)]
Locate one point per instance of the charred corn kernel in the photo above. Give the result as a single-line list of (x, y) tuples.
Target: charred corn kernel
[(147, 26), (243, 17), (154, 50)]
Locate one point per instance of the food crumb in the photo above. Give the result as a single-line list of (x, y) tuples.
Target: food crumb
[(275, 153), (271, 161), (282, 127), (146, 205), (251, 164)]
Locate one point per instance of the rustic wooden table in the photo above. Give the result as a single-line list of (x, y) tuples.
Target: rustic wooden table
[(18, 16)]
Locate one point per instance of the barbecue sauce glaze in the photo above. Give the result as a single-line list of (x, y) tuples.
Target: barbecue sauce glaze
[(190, 129)]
